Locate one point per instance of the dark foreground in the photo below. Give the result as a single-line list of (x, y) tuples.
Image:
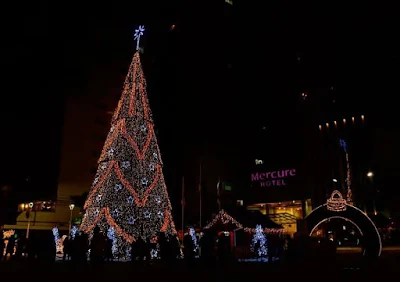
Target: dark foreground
[(345, 267)]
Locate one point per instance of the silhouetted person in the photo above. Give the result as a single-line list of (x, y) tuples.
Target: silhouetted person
[(10, 247), (97, 246), (2, 245), (188, 247), (165, 250), (207, 244), (108, 253), (67, 248)]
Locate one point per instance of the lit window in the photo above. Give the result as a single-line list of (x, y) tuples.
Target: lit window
[(259, 162)]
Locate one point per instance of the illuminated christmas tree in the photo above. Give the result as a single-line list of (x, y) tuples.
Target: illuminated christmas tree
[(129, 195), (259, 242)]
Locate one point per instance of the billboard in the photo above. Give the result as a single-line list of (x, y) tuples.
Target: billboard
[(269, 185), (273, 178)]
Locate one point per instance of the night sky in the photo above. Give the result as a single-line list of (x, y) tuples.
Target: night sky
[(214, 81)]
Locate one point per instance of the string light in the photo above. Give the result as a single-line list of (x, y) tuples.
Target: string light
[(336, 202), (259, 240), (225, 218), (349, 196), (129, 193), (7, 234)]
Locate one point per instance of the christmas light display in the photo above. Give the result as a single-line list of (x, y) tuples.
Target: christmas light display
[(192, 234), (74, 230), (111, 236), (349, 196), (225, 218), (129, 192), (57, 240), (259, 240), (336, 202), (7, 234)]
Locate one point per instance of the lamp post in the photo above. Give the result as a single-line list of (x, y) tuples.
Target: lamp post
[(30, 206), (71, 208)]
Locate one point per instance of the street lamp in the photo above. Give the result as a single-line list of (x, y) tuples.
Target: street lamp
[(28, 215), (334, 180), (370, 174), (71, 208)]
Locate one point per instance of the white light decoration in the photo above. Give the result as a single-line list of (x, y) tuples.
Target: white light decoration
[(138, 33), (192, 234), (151, 167), (259, 240), (74, 230), (136, 203), (336, 202), (98, 198), (117, 187), (57, 239), (126, 164), (130, 200), (111, 236)]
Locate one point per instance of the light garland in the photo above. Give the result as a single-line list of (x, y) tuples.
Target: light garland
[(260, 238), (129, 192), (336, 202), (349, 196), (225, 218)]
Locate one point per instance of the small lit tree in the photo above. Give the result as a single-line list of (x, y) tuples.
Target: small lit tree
[(259, 242)]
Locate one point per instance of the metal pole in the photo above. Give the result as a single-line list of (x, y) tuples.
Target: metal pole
[(183, 205), (70, 222), (200, 190), (29, 225)]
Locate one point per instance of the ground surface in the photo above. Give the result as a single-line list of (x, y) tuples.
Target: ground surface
[(346, 266)]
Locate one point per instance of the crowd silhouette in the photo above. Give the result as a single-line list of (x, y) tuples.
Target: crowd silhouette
[(211, 247)]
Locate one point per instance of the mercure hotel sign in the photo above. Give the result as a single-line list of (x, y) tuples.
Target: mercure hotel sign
[(273, 178)]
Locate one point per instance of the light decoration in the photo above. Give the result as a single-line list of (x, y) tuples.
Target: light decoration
[(260, 239), (74, 230), (111, 236), (7, 234), (349, 196), (192, 234), (336, 202), (124, 200), (225, 218), (57, 239), (138, 33)]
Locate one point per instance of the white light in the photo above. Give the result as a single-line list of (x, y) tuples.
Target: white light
[(334, 180), (71, 206), (370, 174), (30, 204)]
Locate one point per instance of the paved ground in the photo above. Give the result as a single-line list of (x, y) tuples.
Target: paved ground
[(344, 267)]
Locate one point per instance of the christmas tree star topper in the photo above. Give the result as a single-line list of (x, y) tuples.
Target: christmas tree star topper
[(138, 32)]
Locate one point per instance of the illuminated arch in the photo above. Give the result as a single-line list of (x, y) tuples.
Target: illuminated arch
[(373, 242), (333, 217)]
